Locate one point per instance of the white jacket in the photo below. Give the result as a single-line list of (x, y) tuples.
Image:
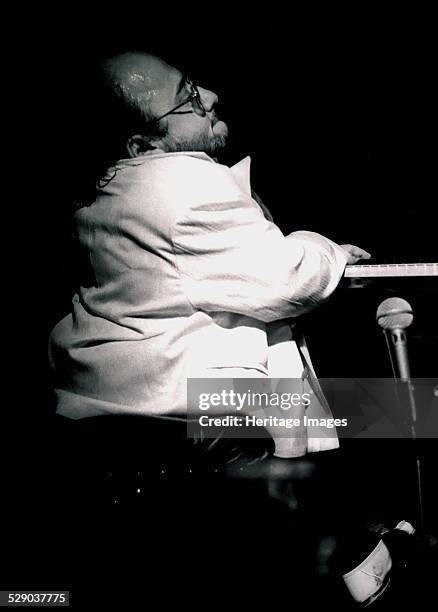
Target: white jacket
[(190, 280)]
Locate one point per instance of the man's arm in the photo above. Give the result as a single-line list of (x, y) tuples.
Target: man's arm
[(231, 258)]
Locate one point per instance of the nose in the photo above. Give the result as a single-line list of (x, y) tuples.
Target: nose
[(208, 98)]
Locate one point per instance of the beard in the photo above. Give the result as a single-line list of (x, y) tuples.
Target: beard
[(211, 145)]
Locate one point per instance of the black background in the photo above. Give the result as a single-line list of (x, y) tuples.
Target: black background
[(338, 117), (338, 114)]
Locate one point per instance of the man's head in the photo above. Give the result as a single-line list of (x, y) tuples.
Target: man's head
[(169, 113)]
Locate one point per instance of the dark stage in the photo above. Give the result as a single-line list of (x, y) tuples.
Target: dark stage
[(341, 131)]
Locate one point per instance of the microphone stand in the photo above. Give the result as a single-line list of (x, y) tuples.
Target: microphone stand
[(399, 342)]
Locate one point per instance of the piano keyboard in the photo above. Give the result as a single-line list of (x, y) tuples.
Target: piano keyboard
[(391, 270)]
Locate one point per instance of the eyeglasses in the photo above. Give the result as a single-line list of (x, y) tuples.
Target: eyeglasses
[(194, 97)]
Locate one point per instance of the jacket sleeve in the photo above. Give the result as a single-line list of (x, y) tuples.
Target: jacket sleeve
[(230, 258)]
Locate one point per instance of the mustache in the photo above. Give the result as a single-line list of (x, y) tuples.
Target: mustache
[(216, 116)]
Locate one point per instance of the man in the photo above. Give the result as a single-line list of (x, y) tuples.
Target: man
[(185, 276), (188, 276)]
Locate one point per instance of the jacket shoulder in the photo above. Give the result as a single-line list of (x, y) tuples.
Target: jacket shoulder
[(183, 178)]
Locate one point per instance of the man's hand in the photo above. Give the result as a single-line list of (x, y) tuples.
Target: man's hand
[(354, 253)]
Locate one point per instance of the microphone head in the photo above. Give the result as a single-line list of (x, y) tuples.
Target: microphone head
[(394, 313)]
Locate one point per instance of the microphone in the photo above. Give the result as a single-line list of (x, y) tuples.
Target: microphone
[(394, 315)]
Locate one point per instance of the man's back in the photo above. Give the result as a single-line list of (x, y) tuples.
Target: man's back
[(189, 275), (134, 336)]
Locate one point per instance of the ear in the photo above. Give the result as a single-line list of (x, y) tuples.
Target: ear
[(139, 145)]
